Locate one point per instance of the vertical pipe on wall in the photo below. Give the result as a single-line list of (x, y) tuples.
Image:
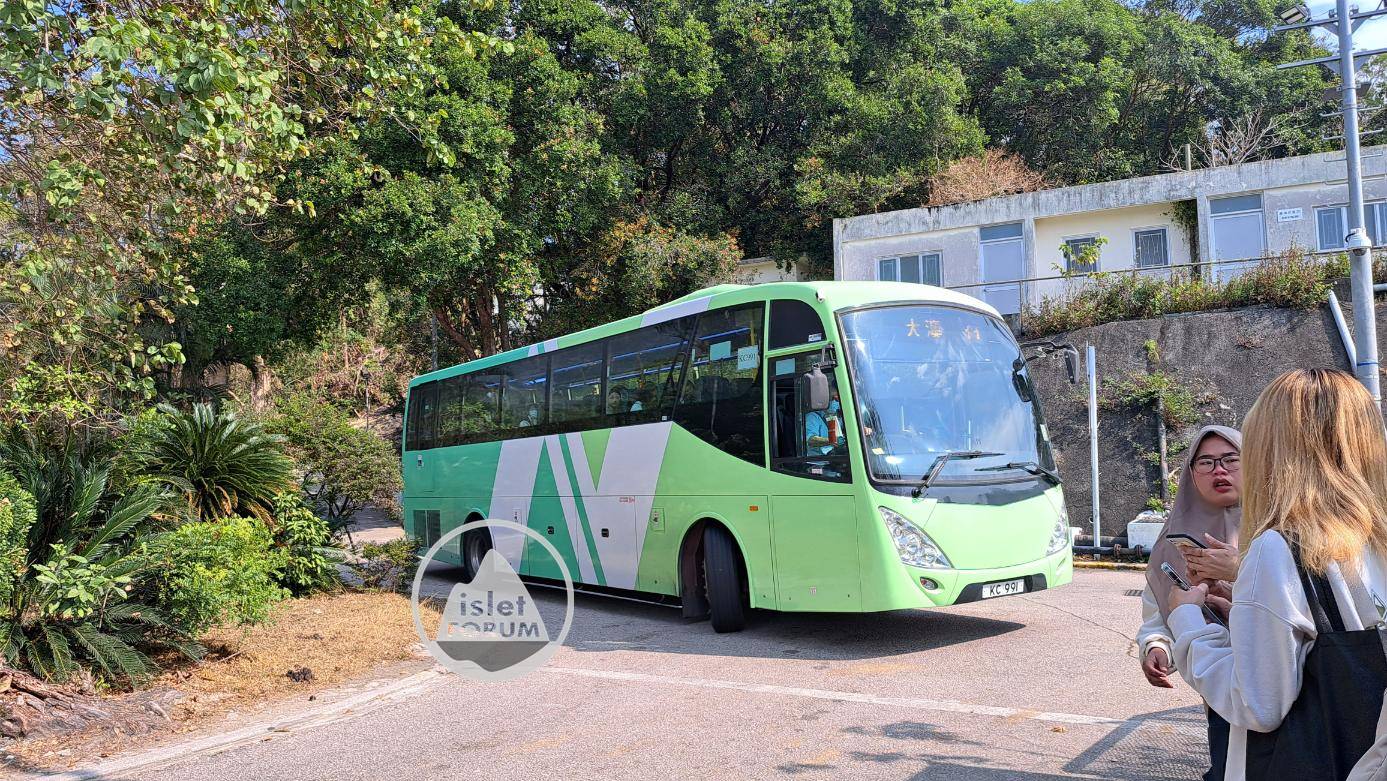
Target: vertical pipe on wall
[(1090, 359)]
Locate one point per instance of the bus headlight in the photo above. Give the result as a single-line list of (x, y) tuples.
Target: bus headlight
[(1059, 536), (914, 546)]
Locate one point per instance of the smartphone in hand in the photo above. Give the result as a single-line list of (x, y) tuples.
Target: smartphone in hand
[(1185, 541), (1184, 585)]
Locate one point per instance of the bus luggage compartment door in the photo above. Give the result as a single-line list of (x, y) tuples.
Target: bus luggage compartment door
[(816, 562)]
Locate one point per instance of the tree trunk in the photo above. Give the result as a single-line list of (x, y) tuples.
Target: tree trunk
[(261, 379)]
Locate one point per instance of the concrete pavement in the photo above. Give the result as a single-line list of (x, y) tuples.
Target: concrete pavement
[(1042, 686)]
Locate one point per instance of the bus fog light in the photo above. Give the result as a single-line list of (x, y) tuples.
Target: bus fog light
[(914, 546)]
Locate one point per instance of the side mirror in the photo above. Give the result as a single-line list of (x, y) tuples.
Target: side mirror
[(1045, 347), (1071, 365), (816, 391)]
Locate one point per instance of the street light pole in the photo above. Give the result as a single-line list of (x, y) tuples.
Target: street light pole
[(1343, 23), (1357, 241)]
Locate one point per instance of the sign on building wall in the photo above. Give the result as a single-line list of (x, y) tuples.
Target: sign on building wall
[(1290, 215)]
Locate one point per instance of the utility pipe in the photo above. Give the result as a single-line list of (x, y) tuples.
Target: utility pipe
[(1344, 336), (1091, 359)]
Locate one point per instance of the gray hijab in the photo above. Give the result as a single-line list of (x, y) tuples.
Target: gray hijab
[(1191, 515)]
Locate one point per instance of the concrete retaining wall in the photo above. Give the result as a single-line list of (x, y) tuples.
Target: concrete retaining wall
[(1228, 355)]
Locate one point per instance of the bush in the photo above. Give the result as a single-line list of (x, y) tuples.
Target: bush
[(344, 468), (17, 515), (222, 465), (1291, 279), (386, 566), (69, 602), (301, 536), (225, 571)]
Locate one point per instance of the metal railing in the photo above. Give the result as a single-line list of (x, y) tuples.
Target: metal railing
[(1078, 282), (1152, 270)]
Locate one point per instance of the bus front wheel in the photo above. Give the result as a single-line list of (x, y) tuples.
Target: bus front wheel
[(722, 574)]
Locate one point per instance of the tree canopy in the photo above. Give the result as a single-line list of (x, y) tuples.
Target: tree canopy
[(222, 187)]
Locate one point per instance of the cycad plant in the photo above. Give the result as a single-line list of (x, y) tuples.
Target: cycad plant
[(68, 603), (221, 464)]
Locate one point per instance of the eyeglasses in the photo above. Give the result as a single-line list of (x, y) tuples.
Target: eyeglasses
[(1205, 465)]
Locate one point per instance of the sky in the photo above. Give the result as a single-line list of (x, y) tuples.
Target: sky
[(1372, 35)]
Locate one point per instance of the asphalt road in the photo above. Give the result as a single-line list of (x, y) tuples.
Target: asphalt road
[(1033, 687)]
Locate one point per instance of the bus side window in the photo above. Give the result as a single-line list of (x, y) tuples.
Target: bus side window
[(424, 411), (523, 400), (794, 322), (805, 441), (577, 387), (720, 399), (481, 407), (450, 412), (638, 368)]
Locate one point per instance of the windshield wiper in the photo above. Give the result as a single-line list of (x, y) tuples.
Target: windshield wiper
[(1028, 466), (941, 461)]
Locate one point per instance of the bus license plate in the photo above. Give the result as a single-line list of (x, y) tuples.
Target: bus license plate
[(1004, 588)]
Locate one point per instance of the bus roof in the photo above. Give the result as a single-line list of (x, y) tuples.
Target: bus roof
[(828, 296)]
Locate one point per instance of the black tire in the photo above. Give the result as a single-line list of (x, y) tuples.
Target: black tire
[(726, 585), (475, 545)]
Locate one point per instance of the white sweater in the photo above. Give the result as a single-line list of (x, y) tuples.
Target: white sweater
[(1153, 632), (1253, 677)]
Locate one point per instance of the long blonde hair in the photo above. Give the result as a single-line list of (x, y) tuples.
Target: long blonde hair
[(1315, 467)]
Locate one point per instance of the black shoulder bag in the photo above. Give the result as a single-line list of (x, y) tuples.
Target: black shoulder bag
[(1334, 718)]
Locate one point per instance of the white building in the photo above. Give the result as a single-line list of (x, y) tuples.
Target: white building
[(755, 271), (1003, 249)]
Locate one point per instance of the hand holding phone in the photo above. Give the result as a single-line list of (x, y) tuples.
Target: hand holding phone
[(1180, 582), (1184, 585), (1185, 541)]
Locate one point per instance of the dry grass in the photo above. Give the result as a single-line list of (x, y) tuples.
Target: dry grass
[(337, 636), (340, 637)]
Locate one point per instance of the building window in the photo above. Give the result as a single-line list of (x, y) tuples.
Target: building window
[(1152, 249), (1077, 250), (1331, 225), (911, 268), (1236, 204)]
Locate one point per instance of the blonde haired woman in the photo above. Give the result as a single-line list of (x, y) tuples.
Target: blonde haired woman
[(1300, 679)]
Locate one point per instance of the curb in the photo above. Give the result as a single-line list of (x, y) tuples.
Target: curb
[(1121, 566), (255, 733)]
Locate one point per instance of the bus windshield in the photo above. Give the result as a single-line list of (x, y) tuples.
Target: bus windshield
[(929, 380)]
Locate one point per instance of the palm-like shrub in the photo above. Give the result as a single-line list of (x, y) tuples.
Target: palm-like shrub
[(69, 603), (221, 464)]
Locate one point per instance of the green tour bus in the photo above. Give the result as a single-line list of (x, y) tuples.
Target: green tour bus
[(820, 446)]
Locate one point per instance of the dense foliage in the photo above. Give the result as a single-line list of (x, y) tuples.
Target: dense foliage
[(302, 537), (617, 155), (126, 128), (216, 572), (344, 468), (1292, 279), (221, 464)]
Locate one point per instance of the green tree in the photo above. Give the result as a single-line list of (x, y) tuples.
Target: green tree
[(126, 128), (344, 468)]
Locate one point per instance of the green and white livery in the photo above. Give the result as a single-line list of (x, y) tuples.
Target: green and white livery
[(834, 446)]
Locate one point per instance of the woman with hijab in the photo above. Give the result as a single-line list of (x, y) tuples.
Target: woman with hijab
[(1206, 509)]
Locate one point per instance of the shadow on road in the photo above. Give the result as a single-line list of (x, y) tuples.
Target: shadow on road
[(1163, 745), (606, 624)]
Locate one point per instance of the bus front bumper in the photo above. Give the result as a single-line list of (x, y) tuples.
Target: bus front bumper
[(937, 588)]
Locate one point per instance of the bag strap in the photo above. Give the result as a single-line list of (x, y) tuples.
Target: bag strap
[(1318, 593)]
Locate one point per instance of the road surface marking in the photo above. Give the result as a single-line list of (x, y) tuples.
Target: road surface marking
[(1195, 726)]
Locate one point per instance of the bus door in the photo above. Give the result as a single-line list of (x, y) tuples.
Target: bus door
[(813, 510)]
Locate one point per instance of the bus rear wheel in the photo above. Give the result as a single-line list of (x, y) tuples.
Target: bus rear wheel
[(724, 582), (475, 545)]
